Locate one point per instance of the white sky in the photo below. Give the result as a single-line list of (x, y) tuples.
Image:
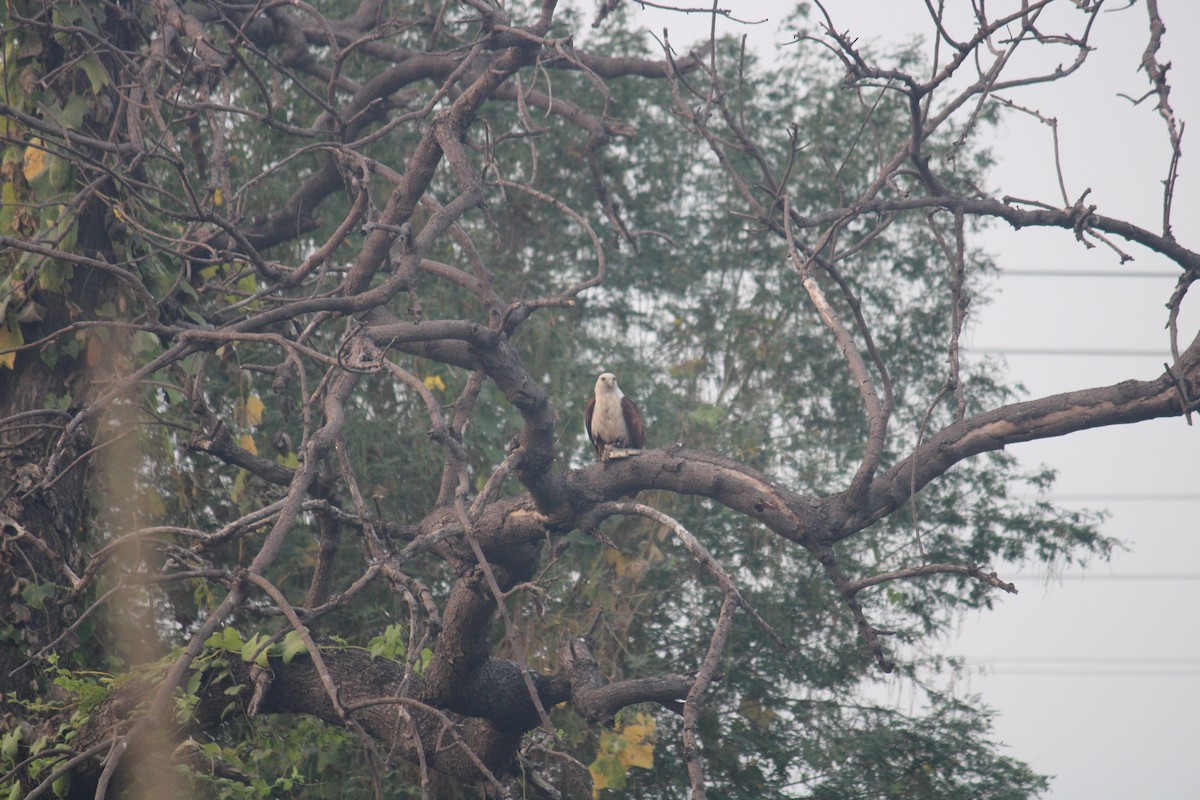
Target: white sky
[(1096, 673)]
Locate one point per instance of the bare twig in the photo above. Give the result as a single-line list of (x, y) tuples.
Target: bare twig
[(695, 696), (698, 551)]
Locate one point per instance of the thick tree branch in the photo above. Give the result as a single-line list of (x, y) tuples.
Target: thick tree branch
[(1057, 415)]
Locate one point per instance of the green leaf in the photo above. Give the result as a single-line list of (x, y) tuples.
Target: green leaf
[(248, 283), (423, 662), (145, 343), (54, 275), (251, 647), (70, 115), (389, 644), (376, 647), (95, 72), (293, 645), (193, 683), (35, 594), (10, 745), (228, 639)]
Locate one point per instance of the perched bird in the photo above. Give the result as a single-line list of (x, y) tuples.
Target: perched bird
[(611, 419)]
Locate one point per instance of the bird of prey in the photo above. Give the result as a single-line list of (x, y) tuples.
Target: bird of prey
[(611, 419)]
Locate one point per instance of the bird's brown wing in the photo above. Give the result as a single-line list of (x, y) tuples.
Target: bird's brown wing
[(633, 422), (587, 424)]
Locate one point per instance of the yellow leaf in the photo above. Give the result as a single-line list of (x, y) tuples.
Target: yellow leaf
[(753, 710), (247, 443), (639, 743), (653, 554), (254, 410), (639, 755), (10, 338), (35, 160), (435, 382), (618, 560), (152, 502), (93, 350), (607, 771)]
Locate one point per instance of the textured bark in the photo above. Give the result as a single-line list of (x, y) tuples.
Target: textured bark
[(465, 713), (45, 531), (41, 530), (489, 713)]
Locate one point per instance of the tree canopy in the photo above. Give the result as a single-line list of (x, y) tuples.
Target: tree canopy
[(299, 313)]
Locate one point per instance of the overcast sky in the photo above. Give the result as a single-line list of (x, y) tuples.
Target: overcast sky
[(1095, 673)]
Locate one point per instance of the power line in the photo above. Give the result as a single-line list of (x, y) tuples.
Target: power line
[(1133, 498), (1057, 351), (1176, 660), (1091, 667), (1132, 576), (1106, 673), (1067, 273)]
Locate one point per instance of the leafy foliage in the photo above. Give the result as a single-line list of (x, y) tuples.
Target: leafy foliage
[(306, 307)]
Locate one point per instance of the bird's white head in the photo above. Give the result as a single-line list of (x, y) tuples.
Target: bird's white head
[(607, 382)]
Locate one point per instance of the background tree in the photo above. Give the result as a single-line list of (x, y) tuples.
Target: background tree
[(300, 311)]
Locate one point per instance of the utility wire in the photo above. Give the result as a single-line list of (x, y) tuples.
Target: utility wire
[(979, 660), (1097, 667), (1063, 351), (1066, 273), (1117, 497), (1132, 576), (1107, 673)]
